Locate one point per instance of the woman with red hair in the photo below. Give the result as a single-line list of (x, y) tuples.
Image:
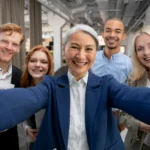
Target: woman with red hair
[(38, 63)]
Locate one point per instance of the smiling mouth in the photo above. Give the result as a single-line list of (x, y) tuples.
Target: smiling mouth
[(146, 59), (37, 71), (6, 52), (111, 41), (80, 64)]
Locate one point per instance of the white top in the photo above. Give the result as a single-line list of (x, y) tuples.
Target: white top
[(7, 76), (77, 133)]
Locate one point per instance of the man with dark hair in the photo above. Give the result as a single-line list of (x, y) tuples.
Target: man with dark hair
[(111, 60), (11, 38)]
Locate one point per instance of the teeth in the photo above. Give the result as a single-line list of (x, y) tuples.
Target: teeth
[(111, 40), (7, 53), (80, 63), (147, 58), (37, 71)]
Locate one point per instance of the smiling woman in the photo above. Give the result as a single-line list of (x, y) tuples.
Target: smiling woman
[(138, 135), (80, 45), (38, 63), (78, 104)]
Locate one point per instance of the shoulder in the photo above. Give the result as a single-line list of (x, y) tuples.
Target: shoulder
[(140, 82), (16, 71), (125, 57), (97, 79), (99, 54), (56, 80)]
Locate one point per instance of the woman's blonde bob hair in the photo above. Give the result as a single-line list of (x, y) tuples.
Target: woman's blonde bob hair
[(138, 70)]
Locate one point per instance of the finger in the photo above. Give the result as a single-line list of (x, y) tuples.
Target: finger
[(35, 130)]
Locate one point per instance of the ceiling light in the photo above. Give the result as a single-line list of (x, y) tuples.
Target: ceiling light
[(88, 18), (79, 1), (79, 9)]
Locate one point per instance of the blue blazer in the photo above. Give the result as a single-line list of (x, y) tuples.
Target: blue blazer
[(53, 94)]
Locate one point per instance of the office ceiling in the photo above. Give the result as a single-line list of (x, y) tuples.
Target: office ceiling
[(96, 12)]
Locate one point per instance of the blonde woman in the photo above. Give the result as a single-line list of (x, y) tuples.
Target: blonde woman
[(138, 135)]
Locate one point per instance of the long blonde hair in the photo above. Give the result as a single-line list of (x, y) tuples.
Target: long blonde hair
[(138, 70)]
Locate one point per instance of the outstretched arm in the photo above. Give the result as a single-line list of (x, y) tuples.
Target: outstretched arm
[(135, 101), (18, 104)]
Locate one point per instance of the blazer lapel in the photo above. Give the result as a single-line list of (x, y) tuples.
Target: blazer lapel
[(63, 103), (92, 99), (13, 79), (16, 74)]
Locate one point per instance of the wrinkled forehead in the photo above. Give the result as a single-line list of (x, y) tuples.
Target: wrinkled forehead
[(11, 36), (69, 37)]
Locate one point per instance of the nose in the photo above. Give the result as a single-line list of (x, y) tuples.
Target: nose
[(81, 54), (9, 46), (112, 34), (38, 64), (147, 51)]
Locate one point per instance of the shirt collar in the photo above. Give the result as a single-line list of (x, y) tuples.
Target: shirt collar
[(82, 80), (9, 72), (114, 56)]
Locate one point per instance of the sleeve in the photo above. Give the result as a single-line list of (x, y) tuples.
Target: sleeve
[(25, 126), (18, 104), (131, 123), (129, 99)]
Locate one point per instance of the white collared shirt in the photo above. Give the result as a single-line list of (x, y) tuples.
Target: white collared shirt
[(77, 133), (7, 76)]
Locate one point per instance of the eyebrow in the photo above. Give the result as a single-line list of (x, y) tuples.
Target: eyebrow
[(74, 44), (142, 45)]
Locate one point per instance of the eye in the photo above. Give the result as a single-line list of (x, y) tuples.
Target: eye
[(118, 32), (139, 49), (74, 47), (32, 60), (44, 62), (107, 31), (15, 45), (4, 41), (89, 49)]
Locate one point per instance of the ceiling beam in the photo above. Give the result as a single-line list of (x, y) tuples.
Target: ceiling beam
[(55, 12), (138, 14)]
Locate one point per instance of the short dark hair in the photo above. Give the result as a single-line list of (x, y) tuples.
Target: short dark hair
[(117, 19)]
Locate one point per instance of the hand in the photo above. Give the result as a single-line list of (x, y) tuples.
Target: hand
[(144, 127), (116, 112), (32, 133)]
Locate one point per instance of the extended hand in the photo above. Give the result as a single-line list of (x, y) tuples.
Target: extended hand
[(144, 127), (32, 133)]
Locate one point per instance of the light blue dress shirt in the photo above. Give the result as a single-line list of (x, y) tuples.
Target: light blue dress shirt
[(119, 66)]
